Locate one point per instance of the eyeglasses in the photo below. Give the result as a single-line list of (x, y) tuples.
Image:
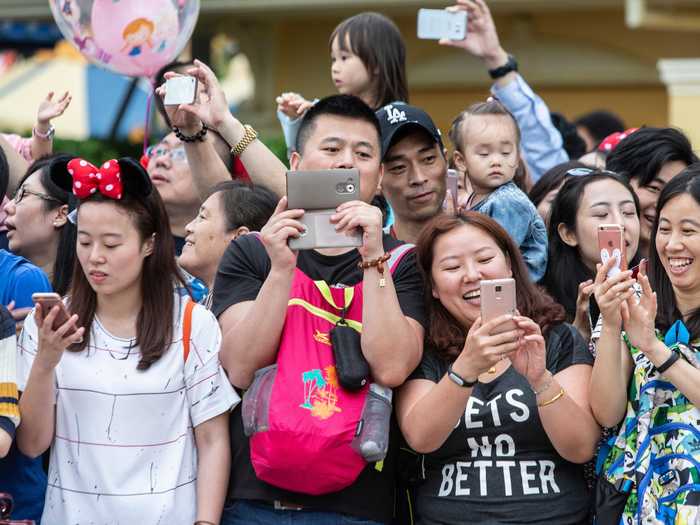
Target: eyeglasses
[(176, 154), (22, 191)]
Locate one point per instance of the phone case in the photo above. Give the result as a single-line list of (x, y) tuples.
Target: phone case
[(611, 243), (498, 298), (322, 189), (435, 24), (453, 186), (319, 193), (180, 90), (320, 233), (48, 301)]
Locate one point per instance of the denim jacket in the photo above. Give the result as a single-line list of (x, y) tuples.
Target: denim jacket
[(542, 144), (512, 209)]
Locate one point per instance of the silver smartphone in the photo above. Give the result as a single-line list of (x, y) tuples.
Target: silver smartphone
[(180, 90), (498, 298), (319, 193), (436, 24), (453, 186)]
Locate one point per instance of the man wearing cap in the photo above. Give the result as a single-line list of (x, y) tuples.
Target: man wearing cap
[(415, 168)]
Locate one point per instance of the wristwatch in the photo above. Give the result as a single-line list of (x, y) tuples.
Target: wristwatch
[(510, 66), (249, 136), (44, 136), (459, 380)]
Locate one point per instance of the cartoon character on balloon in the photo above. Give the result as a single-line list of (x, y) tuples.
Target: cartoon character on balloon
[(131, 37)]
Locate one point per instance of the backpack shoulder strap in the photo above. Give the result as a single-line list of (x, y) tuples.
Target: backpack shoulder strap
[(397, 254), (187, 328)]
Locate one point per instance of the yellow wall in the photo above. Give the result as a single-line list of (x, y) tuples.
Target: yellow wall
[(300, 62)]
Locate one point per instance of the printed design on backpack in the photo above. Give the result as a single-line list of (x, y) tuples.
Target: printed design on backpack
[(322, 337), (295, 411), (657, 450), (321, 392)]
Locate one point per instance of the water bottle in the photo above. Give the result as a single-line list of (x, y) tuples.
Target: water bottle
[(372, 436)]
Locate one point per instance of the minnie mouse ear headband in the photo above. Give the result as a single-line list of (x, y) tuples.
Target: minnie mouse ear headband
[(113, 179), (610, 142)]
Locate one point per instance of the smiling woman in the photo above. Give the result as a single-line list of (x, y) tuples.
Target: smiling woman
[(233, 209), (518, 395), (648, 383), (581, 206)]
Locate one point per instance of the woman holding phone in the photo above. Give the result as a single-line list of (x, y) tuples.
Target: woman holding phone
[(583, 204), (128, 392), (501, 417), (647, 379)]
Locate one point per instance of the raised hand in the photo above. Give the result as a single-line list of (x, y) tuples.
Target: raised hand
[(293, 104), (581, 321), (483, 349), (482, 37), (210, 107), (275, 234), (610, 293), (358, 214), (530, 359), (639, 318), (50, 109)]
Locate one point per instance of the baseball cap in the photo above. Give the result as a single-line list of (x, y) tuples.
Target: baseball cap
[(399, 115)]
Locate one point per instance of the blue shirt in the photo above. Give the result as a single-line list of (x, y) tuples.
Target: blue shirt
[(542, 144), (512, 209), (21, 476), (19, 279)]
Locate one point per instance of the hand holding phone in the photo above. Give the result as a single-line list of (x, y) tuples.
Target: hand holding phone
[(57, 330), (453, 188), (179, 90), (439, 24), (611, 243), (319, 193), (497, 299)]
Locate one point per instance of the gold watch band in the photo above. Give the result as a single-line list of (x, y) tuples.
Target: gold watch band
[(249, 136)]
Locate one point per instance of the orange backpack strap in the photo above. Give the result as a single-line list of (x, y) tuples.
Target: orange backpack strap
[(187, 328)]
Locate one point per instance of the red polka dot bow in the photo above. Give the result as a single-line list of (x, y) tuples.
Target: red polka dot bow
[(88, 179), (610, 142)]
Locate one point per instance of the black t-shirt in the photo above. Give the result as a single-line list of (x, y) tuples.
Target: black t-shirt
[(498, 465), (243, 269)]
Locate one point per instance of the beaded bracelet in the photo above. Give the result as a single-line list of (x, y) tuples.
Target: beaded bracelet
[(379, 264), (197, 137)]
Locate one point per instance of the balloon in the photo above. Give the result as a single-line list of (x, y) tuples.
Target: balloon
[(131, 37)]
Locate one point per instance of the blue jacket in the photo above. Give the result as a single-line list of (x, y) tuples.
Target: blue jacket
[(512, 209)]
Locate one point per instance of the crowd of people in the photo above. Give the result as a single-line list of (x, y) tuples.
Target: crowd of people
[(198, 370)]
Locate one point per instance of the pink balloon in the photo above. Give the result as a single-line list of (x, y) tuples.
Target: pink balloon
[(132, 37)]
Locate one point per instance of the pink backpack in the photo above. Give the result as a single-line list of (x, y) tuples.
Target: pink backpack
[(301, 421)]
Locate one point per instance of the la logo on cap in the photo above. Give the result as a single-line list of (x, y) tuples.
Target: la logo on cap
[(394, 116)]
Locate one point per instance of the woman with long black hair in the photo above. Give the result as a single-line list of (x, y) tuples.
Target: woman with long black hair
[(128, 392)]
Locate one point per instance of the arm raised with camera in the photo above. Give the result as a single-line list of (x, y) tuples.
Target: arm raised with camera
[(211, 109), (542, 143)]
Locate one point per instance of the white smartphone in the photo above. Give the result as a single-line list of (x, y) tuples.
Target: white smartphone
[(435, 24), (180, 90)]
